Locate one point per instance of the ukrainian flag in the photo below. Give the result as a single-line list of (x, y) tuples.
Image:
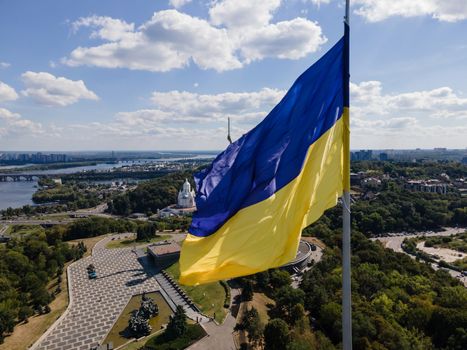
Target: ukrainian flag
[(256, 197)]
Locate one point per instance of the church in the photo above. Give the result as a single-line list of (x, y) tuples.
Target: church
[(186, 197), (185, 203)]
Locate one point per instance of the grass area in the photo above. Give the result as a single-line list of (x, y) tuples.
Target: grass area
[(25, 334), (209, 297), (457, 242), (120, 334), (88, 242), (8, 230), (263, 304), (26, 229), (193, 333), (315, 241), (129, 242), (461, 263), (58, 216), (137, 345)]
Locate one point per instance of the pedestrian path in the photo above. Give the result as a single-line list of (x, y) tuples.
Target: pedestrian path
[(96, 304)]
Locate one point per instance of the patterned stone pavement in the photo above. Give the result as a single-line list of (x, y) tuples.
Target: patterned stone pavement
[(96, 304)]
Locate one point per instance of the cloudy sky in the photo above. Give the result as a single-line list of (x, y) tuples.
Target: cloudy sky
[(158, 74)]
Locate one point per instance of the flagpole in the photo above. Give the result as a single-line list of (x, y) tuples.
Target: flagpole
[(346, 272)]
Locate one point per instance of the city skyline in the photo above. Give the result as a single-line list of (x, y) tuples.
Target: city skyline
[(152, 75)]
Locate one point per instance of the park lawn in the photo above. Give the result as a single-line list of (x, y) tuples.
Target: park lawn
[(125, 243), (119, 333), (315, 241), (455, 242), (260, 302), (461, 263), (88, 242), (209, 297), (25, 334), (137, 345), (20, 229), (193, 333), (8, 230), (53, 216)]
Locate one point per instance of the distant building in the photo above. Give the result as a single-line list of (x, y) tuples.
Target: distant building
[(139, 216), (383, 157), (164, 252), (371, 182), (355, 179), (185, 203), (301, 260), (431, 186), (186, 197), (361, 155)]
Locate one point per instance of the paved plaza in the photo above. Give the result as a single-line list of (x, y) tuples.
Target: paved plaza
[(95, 304)]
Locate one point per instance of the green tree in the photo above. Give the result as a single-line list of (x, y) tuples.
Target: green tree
[(279, 278), (247, 290), (286, 299), (177, 325), (276, 335)]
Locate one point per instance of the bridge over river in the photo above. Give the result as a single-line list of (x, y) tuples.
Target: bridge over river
[(23, 177)]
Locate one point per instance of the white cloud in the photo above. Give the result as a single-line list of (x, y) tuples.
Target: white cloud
[(443, 10), (13, 123), (108, 28), (237, 33), (179, 3), (319, 2), (406, 120), (7, 93), (176, 108), (441, 102), (241, 14), (217, 106), (4, 64), (169, 40), (7, 115), (49, 90), (181, 117), (286, 40)]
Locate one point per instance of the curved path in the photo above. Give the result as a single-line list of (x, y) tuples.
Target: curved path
[(394, 241), (95, 305)]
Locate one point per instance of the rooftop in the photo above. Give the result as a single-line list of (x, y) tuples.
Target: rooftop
[(164, 248)]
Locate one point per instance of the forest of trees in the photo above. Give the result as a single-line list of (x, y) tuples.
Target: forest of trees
[(398, 303), (74, 195), (27, 263), (413, 170), (397, 210), (150, 196)]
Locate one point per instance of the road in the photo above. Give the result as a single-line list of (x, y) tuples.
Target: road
[(394, 241), (48, 219)]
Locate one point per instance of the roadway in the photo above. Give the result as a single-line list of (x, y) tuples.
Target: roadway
[(394, 241)]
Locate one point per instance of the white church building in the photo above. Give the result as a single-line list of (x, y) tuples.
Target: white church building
[(185, 203)]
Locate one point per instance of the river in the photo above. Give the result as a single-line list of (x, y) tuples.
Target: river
[(17, 194)]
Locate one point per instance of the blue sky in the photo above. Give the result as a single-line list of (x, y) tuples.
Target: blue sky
[(154, 75)]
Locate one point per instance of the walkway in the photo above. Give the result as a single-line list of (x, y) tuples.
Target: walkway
[(95, 305), (178, 297), (219, 337)]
